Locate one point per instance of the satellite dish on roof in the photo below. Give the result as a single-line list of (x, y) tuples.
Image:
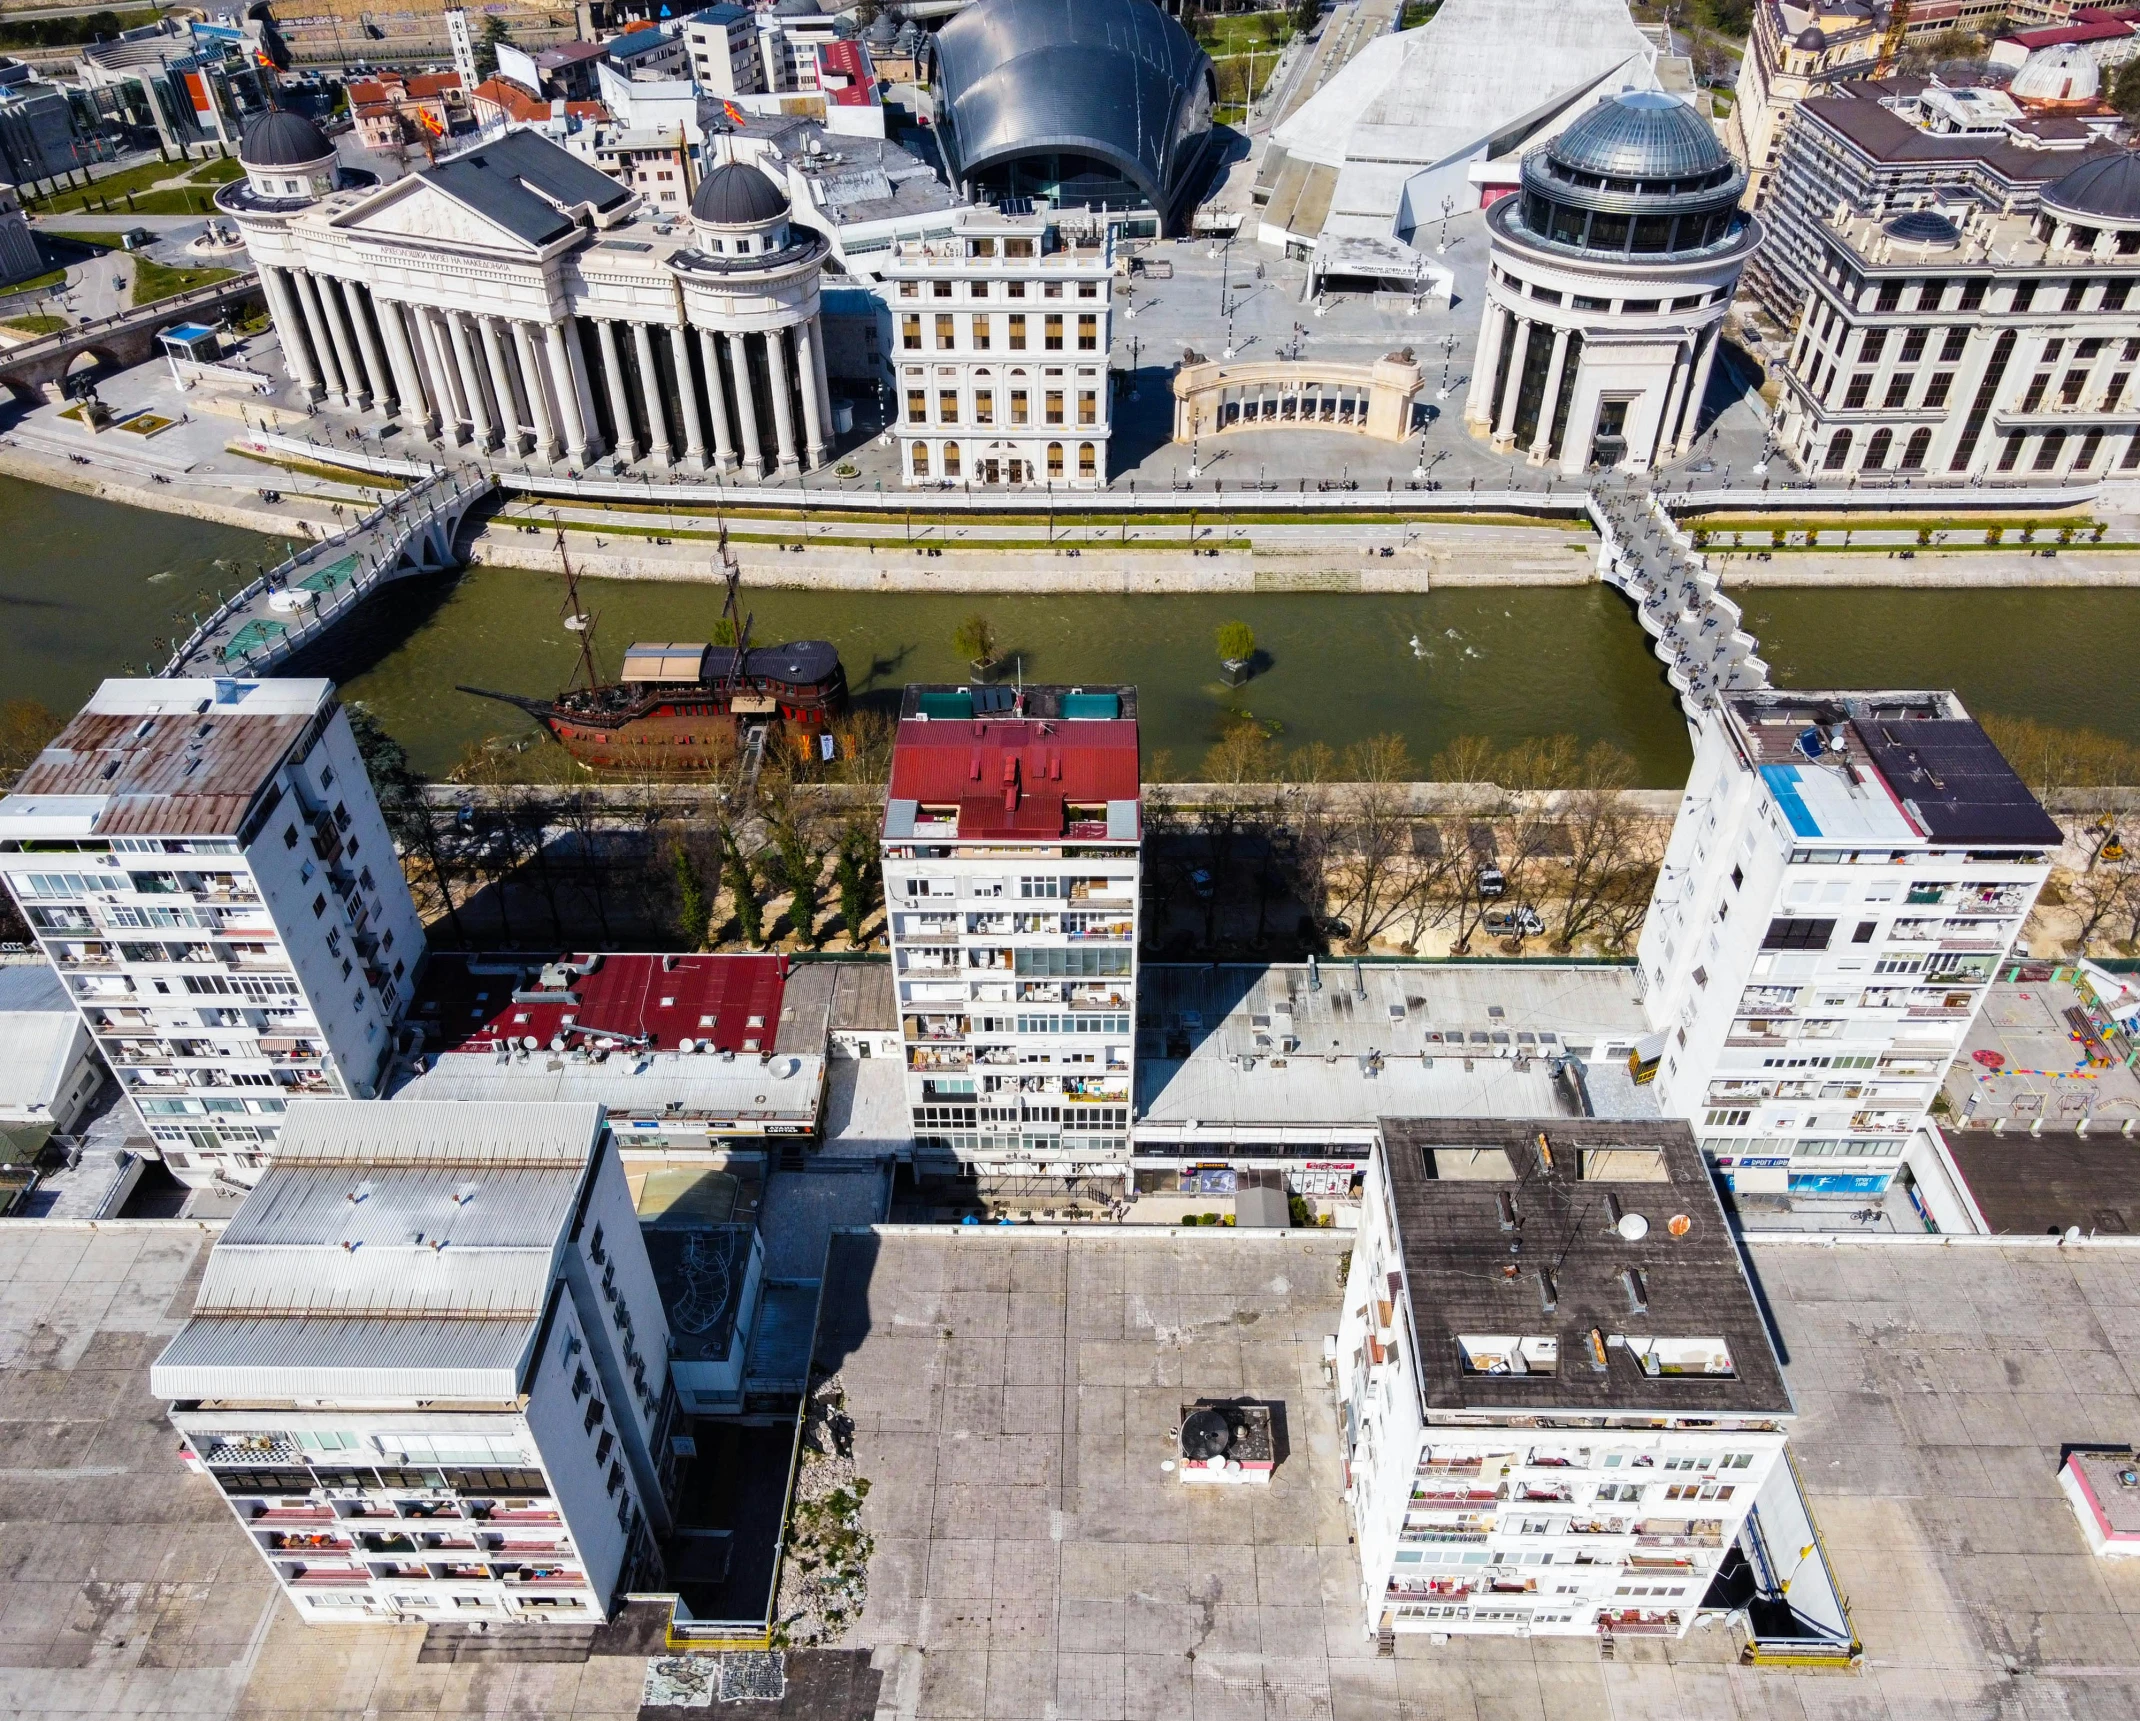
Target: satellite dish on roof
[(1633, 1227), (1205, 1434), (687, 1046)]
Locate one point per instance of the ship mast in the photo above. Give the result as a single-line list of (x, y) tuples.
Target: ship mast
[(579, 621), (739, 625)]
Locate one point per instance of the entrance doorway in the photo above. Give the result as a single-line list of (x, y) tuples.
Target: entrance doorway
[(991, 472), (1608, 446)]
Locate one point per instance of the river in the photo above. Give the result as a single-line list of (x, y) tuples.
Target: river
[(88, 588)]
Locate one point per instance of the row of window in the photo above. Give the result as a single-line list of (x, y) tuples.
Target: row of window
[(984, 406), (2049, 456), (986, 289), (2022, 297), (980, 332), (949, 462)]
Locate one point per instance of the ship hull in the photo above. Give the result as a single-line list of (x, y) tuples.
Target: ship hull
[(692, 731)]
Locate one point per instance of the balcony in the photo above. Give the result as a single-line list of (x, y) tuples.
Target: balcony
[(919, 1028), (309, 1541), (1412, 1537), (1632, 1624), (1598, 1527), (331, 1577), (1647, 1538), (321, 1514), (523, 1515), (930, 1058)]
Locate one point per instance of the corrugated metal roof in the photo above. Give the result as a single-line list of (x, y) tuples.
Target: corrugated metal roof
[(437, 1134), (336, 1359), (190, 774)]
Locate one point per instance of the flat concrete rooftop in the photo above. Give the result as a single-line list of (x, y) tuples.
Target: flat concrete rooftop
[(1013, 1391), (1212, 1042)]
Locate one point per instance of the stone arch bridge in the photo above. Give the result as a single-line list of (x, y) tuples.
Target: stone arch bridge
[(39, 368)]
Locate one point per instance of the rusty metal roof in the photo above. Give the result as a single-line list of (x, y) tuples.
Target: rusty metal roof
[(168, 774)]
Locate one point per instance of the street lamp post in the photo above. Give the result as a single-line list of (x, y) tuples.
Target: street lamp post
[(1448, 209)]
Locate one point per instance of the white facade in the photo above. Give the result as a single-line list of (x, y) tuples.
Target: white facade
[(1815, 955), (205, 864), (1014, 950), (573, 321), (999, 343), (498, 1450), (1565, 1515), (722, 42)]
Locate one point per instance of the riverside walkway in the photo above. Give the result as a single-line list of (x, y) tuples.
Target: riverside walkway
[(295, 603)]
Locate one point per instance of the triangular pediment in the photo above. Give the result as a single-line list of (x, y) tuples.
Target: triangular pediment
[(414, 208)]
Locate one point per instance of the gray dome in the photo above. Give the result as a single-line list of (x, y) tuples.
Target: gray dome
[(735, 195), (1645, 136), (1052, 97), (2105, 189), (281, 139), (882, 32), (1923, 227), (796, 9), (1810, 40)]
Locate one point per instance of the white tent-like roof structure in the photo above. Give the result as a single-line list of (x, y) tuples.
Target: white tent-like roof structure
[(1372, 154)]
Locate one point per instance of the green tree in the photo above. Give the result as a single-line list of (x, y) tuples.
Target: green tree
[(975, 640), (856, 878), (1306, 13), (1237, 642), (694, 906), (743, 892), (494, 32), (2125, 92), (409, 818)]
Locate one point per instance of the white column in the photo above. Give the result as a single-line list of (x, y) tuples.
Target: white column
[(1662, 449), (358, 393), (1700, 390), (687, 395), (657, 421), (1505, 415), (724, 446), (290, 330), (1478, 408), (452, 410), (408, 383), (807, 360), (776, 354), (471, 377), (501, 384), (538, 391), (564, 377), (753, 463), (620, 404), (824, 386), (1542, 443), (583, 383), (316, 333), (368, 347)]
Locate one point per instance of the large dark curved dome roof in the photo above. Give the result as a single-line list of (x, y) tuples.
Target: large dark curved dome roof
[(1647, 135), (738, 195), (281, 139), (1115, 80), (2107, 188)]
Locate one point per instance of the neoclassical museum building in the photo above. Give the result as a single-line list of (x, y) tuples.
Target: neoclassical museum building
[(514, 297)]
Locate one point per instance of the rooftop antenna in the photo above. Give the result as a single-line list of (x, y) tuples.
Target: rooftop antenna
[(579, 621)]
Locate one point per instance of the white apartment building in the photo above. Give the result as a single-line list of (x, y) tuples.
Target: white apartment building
[(999, 343), (1558, 1400), (205, 864), (428, 1367), (1011, 868), (1846, 874), (722, 43)]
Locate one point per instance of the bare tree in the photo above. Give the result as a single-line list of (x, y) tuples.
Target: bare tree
[(1599, 827), (1438, 860), (2095, 897), (1371, 850)]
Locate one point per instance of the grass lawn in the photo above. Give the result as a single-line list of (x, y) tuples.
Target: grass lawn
[(37, 283), (218, 172), (36, 323), (175, 200), (153, 281), (1238, 32), (112, 187)]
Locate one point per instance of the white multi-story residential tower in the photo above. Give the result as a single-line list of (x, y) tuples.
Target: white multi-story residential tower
[(722, 41), (1845, 876), (206, 865), (1558, 1398), (1011, 863), (999, 345), (428, 1366)]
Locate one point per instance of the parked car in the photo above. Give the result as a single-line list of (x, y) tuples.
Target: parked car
[(1492, 882), (1513, 923), (137, 239)]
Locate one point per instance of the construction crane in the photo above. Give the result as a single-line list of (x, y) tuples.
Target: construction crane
[(1898, 24)]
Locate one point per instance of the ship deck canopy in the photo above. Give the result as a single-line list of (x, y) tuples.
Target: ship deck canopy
[(671, 661)]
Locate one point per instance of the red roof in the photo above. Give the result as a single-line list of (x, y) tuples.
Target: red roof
[(518, 103), (2106, 30), (1017, 778), (645, 1000), (848, 59)]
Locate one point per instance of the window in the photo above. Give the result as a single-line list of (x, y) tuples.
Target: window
[(1018, 415), (1898, 388), (1838, 451), (2024, 296), (1055, 457), (1728, 1119), (910, 332), (1890, 296), (1055, 406), (1865, 931), (980, 334), (1871, 344), (1913, 344), (984, 406), (921, 460), (940, 289), (951, 460), (1936, 389), (1088, 332), (2070, 386), (1788, 934), (2048, 451), (2115, 390), (2076, 291), (1913, 457), (2115, 293), (947, 406), (1088, 407), (1052, 335), (945, 338), (2038, 383), (1088, 460), (289, 838), (2009, 454), (1972, 299), (917, 406), (1017, 341), (1876, 450)]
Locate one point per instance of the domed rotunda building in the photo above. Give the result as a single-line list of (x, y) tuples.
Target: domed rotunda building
[(1608, 280)]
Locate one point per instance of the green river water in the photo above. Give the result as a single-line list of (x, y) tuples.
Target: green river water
[(88, 588)]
